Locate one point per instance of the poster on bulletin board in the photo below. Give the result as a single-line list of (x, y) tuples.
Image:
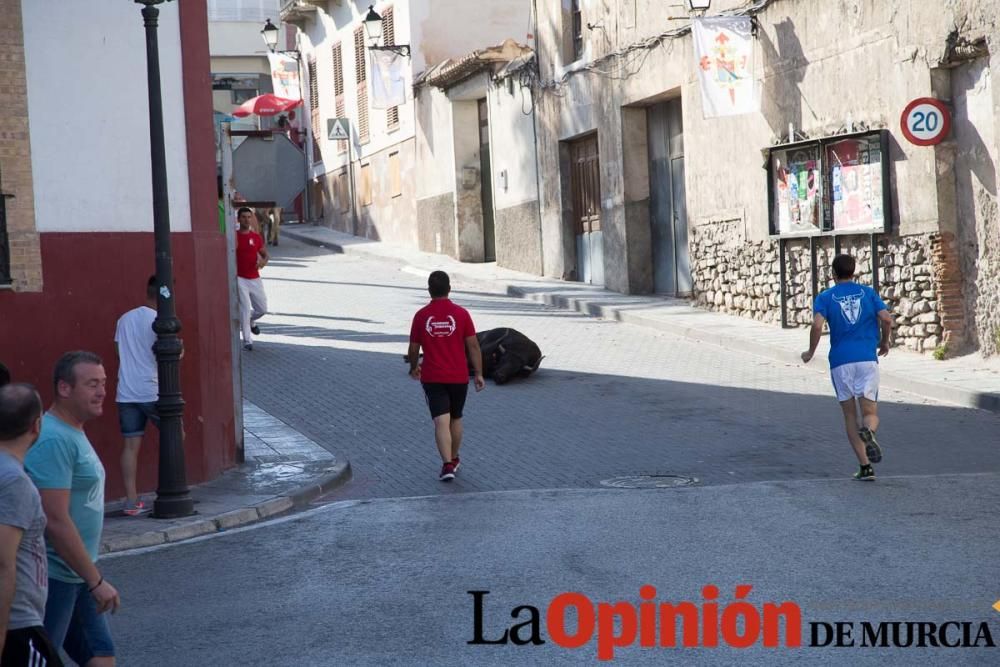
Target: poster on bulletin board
[(855, 168), (797, 191)]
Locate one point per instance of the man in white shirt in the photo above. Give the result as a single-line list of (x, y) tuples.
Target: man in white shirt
[(138, 388)]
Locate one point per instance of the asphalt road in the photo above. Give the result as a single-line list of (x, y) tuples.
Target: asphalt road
[(381, 576), (385, 582)]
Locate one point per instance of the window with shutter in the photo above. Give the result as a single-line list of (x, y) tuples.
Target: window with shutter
[(389, 39), (339, 102), (361, 79), (314, 109)]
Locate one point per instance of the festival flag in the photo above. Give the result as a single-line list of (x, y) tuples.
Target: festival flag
[(723, 49), (284, 76)]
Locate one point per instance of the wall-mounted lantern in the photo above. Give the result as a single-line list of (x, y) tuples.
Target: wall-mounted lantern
[(373, 27)]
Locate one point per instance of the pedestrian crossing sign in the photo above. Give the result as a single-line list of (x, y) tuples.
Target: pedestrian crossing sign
[(336, 129)]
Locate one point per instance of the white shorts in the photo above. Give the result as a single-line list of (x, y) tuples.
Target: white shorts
[(857, 380)]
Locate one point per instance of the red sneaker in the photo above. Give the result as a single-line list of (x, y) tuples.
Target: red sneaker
[(447, 472), (455, 463)]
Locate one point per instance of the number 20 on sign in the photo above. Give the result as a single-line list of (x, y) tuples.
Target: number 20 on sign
[(925, 121)]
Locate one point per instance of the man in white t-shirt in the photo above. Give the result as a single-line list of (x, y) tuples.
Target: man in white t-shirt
[(138, 388)]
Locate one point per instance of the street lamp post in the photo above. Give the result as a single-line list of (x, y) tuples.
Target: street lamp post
[(173, 498)]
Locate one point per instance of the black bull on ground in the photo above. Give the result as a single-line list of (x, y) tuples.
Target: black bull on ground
[(507, 353)]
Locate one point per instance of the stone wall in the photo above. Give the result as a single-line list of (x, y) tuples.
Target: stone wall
[(742, 278)]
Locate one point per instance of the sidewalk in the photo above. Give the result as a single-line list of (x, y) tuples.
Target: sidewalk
[(283, 470), (969, 381)]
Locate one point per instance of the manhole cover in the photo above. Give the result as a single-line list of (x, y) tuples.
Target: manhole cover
[(649, 481)]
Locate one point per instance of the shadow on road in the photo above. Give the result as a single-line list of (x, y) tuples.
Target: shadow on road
[(565, 429)]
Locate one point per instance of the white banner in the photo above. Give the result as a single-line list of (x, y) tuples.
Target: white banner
[(723, 49), (284, 76), (388, 80)]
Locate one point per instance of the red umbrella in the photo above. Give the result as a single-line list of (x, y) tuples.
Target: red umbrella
[(265, 105)]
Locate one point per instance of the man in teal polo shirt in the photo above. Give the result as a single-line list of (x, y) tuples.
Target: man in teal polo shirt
[(70, 479)]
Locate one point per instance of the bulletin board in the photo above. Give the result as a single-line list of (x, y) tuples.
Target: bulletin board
[(834, 185)]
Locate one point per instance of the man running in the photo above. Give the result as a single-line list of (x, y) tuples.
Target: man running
[(859, 323), (446, 333), (251, 256)]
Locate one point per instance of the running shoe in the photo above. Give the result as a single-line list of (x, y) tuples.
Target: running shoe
[(865, 474), (872, 449), (136, 509), (447, 472), (254, 329), (455, 463), (248, 347)]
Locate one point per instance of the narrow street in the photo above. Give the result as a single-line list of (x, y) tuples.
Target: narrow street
[(378, 573)]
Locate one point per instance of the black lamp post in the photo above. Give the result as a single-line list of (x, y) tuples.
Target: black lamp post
[(172, 496)]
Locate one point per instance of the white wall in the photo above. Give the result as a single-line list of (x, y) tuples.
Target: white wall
[(442, 29), (435, 144), (512, 143), (318, 40), (241, 38), (88, 113)]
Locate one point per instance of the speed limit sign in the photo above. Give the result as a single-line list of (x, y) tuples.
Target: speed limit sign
[(925, 121)]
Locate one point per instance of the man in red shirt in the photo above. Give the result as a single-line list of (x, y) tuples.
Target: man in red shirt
[(251, 256), (446, 334)]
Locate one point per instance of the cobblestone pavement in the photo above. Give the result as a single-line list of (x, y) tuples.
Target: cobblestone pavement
[(610, 399)]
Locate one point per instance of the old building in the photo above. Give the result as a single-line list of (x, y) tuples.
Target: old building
[(476, 181), (367, 185), (645, 194), (75, 175)]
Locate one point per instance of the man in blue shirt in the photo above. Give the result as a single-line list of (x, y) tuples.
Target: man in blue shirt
[(70, 479), (860, 324)]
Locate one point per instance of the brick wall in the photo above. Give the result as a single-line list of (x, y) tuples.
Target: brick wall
[(948, 275), (15, 154)]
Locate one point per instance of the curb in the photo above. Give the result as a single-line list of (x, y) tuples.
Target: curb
[(295, 499), (987, 401)]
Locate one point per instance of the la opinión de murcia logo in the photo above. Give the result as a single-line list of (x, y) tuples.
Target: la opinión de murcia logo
[(738, 624), (441, 328)]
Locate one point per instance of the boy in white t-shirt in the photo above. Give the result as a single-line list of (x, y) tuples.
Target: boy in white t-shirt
[(138, 388)]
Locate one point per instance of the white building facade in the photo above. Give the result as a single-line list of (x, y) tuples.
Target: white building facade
[(367, 186)]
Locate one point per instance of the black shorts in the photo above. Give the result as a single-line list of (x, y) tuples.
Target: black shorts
[(445, 398), (28, 647)]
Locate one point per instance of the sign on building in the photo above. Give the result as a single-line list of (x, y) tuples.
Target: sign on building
[(925, 121), (338, 129)]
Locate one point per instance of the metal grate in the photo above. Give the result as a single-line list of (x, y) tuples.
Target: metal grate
[(361, 78), (339, 103), (577, 30)]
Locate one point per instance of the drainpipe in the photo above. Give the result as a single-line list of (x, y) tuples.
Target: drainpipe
[(534, 132)]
